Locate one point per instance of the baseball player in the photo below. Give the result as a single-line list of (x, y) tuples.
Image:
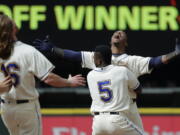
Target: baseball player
[(109, 86), (137, 64), (20, 109)]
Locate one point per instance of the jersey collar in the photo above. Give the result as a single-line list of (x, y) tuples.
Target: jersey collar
[(121, 56), (117, 54), (103, 68)]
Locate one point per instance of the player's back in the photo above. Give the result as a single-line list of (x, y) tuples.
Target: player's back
[(109, 89)]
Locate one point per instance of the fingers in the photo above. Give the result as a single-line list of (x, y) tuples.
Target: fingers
[(79, 81), (6, 83), (47, 38), (8, 80), (82, 83), (80, 78), (79, 75)]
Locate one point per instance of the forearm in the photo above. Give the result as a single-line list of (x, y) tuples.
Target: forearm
[(165, 59), (56, 81), (157, 62), (169, 57), (67, 54)]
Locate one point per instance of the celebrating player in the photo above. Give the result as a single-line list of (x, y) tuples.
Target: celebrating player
[(109, 86), (19, 103), (137, 64)]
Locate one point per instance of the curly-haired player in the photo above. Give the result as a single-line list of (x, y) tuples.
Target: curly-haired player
[(20, 62)]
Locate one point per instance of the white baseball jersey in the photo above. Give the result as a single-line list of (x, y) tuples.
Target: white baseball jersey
[(137, 64), (25, 63), (109, 88)]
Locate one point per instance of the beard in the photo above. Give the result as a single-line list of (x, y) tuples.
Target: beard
[(6, 52)]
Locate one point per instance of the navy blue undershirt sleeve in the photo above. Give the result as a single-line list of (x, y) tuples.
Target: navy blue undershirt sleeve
[(72, 55), (155, 62)]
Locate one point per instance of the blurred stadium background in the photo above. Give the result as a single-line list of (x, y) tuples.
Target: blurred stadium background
[(151, 26)]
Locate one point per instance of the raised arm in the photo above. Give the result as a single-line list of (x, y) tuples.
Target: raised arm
[(84, 57), (47, 46), (165, 59)]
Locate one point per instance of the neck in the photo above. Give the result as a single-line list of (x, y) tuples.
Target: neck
[(102, 65), (116, 50)]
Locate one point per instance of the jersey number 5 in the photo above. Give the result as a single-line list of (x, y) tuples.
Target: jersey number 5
[(104, 89), (9, 70)]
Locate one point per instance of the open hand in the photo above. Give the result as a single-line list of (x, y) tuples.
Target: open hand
[(76, 80)]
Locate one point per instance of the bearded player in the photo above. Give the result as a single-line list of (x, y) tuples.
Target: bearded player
[(20, 63)]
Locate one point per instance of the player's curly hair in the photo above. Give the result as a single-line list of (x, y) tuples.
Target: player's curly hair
[(6, 36)]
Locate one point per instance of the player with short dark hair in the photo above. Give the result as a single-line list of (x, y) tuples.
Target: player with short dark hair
[(102, 55), (109, 87), (20, 63)]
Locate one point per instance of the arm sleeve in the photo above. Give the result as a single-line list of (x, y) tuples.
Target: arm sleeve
[(39, 65), (158, 61), (139, 65), (88, 60), (133, 82), (155, 62), (72, 55)]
